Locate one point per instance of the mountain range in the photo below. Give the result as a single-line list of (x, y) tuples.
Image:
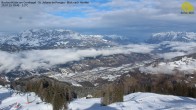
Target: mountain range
[(51, 39), (61, 38), (172, 36)]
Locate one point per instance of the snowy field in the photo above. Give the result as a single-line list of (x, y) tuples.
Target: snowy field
[(135, 101), (14, 101), (138, 101)]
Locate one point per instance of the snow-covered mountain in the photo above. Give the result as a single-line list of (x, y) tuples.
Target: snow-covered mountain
[(51, 39), (185, 64), (120, 39), (172, 36)]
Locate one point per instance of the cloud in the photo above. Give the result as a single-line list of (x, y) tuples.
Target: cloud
[(177, 49), (170, 55), (186, 65), (110, 17), (30, 60), (163, 69), (189, 47)]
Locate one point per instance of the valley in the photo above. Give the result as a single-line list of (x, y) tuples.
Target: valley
[(77, 65)]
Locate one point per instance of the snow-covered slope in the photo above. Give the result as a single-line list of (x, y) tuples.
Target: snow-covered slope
[(138, 101), (185, 64), (134, 101), (173, 36), (14, 101)]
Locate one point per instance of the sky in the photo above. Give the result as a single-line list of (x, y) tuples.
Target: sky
[(130, 18)]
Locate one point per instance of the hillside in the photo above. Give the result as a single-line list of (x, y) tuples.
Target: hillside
[(136, 101)]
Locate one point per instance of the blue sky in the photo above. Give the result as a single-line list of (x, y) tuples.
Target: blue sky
[(131, 18), (70, 14)]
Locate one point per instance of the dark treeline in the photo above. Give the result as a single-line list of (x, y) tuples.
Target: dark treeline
[(174, 84), (48, 89)]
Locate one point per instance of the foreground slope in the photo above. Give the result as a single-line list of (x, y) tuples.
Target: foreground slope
[(138, 101), (135, 101), (28, 101)]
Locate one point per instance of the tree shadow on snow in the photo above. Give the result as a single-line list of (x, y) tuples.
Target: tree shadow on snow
[(181, 102), (97, 106), (4, 95)]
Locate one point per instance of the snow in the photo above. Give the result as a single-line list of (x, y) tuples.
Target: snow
[(76, 84), (134, 101), (185, 64), (111, 77), (174, 36), (10, 101), (61, 30), (138, 101)]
